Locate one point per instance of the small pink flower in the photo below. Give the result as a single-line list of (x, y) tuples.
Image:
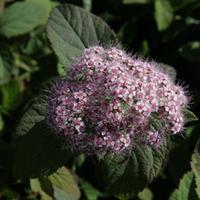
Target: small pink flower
[(110, 101)]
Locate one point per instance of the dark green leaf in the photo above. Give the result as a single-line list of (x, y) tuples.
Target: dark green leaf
[(11, 96), (189, 116), (6, 162), (136, 1), (195, 164), (177, 4), (4, 73), (191, 51), (38, 150), (90, 192), (131, 175), (71, 29)]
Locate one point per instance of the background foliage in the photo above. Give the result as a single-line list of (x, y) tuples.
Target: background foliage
[(167, 31)]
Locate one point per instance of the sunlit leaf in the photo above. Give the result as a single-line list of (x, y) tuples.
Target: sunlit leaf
[(146, 194), (58, 186), (163, 14), (22, 17), (186, 189)]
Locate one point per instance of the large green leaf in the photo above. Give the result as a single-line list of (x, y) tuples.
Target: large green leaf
[(71, 29), (131, 175), (195, 164), (38, 150), (186, 188), (191, 51), (22, 17), (163, 14), (60, 185)]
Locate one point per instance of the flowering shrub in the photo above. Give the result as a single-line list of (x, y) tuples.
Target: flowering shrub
[(110, 123), (111, 100)]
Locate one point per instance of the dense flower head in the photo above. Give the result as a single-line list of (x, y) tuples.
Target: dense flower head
[(110, 101)]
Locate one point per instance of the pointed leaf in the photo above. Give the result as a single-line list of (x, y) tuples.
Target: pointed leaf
[(186, 189), (132, 174), (189, 116), (71, 29), (195, 164)]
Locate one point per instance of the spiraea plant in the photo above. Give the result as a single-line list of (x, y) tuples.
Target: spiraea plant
[(115, 111), (110, 101)]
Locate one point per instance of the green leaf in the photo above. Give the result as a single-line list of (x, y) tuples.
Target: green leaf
[(189, 116), (35, 143), (163, 14), (22, 17), (189, 132), (186, 188), (72, 29), (36, 187), (136, 1), (9, 194), (191, 51), (61, 70), (87, 4), (64, 185), (90, 192), (146, 194), (177, 4), (195, 164), (39, 146), (60, 185), (11, 96), (4, 73), (1, 123), (128, 176)]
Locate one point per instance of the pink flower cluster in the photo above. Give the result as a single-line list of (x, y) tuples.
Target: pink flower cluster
[(110, 101)]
